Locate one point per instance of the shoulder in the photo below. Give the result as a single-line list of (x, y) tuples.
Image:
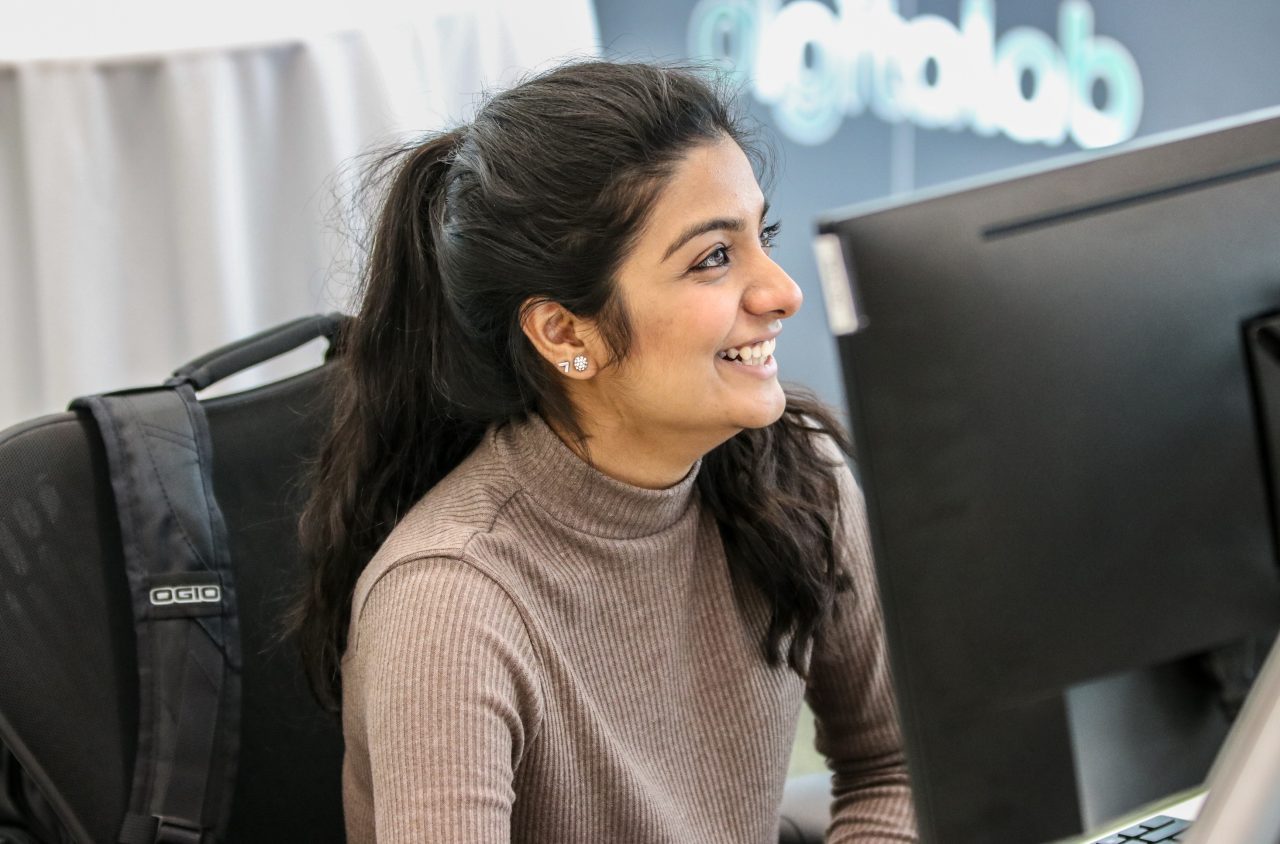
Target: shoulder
[(428, 554), (465, 502), (436, 633), (419, 598)]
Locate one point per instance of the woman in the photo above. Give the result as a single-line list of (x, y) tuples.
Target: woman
[(578, 557)]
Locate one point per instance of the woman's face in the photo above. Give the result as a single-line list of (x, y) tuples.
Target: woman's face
[(701, 290)]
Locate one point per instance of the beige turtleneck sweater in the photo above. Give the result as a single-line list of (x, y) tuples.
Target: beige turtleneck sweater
[(540, 653)]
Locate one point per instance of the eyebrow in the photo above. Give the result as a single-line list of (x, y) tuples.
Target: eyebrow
[(732, 224)]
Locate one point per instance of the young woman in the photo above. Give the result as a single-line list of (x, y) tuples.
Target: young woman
[(578, 556)]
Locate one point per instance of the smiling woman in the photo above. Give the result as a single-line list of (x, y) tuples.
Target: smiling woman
[(697, 285), (578, 556)]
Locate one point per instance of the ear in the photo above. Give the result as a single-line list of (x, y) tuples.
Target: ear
[(562, 339)]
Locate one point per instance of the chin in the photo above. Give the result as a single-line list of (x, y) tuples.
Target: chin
[(762, 415)]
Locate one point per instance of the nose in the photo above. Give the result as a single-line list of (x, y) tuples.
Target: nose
[(772, 292)]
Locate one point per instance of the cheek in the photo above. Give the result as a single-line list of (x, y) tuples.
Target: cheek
[(683, 333), (705, 322), (657, 336)]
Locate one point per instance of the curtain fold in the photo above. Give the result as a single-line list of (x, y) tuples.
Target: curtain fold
[(155, 206)]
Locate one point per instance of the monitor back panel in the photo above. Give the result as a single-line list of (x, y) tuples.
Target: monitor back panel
[(1056, 434)]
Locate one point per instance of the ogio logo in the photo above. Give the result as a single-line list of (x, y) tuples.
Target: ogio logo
[(163, 596)]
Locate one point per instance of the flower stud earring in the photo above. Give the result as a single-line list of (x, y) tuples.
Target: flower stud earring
[(579, 363)]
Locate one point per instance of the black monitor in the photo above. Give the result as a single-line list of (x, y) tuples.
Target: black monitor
[(1065, 462)]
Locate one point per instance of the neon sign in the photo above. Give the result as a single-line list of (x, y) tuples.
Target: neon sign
[(816, 65)]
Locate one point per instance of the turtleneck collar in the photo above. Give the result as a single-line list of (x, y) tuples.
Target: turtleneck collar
[(581, 496)]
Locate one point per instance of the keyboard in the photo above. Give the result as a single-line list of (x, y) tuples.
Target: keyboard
[(1161, 828)]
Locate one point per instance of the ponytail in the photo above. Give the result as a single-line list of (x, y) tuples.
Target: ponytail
[(395, 430)]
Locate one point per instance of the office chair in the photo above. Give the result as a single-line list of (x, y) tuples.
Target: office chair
[(68, 671)]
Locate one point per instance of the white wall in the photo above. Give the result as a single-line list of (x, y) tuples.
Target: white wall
[(171, 175)]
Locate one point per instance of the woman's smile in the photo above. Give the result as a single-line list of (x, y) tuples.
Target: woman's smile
[(756, 360)]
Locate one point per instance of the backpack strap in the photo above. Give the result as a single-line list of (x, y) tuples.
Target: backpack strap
[(178, 564)]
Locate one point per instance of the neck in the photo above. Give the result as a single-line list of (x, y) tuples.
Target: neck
[(646, 459)]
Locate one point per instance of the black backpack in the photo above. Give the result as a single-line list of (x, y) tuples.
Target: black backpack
[(147, 553)]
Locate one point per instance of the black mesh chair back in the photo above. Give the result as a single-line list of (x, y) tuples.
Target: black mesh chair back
[(68, 673)]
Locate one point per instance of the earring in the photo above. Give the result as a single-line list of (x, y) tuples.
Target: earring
[(564, 364), (580, 363)]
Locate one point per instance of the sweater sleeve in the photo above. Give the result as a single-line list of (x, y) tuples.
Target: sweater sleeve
[(852, 698), (448, 690)]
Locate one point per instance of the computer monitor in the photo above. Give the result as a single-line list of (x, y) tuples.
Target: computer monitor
[(1051, 394)]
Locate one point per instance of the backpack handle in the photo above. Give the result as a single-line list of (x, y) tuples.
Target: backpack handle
[(258, 348)]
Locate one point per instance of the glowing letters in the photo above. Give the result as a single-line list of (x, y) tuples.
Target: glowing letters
[(815, 66)]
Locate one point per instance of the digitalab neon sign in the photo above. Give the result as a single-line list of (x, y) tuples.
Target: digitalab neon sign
[(816, 65)]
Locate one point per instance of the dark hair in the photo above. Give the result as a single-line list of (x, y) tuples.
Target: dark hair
[(540, 198)]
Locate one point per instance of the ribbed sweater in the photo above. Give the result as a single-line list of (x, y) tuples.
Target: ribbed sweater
[(541, 653)]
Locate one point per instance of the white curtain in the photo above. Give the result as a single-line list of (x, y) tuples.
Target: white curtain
[(156, 205)]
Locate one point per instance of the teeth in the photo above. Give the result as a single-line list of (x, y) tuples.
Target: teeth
[(753, 355)]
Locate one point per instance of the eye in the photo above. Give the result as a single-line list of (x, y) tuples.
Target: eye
[(769, 236), (720, 255), (718, 258)]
